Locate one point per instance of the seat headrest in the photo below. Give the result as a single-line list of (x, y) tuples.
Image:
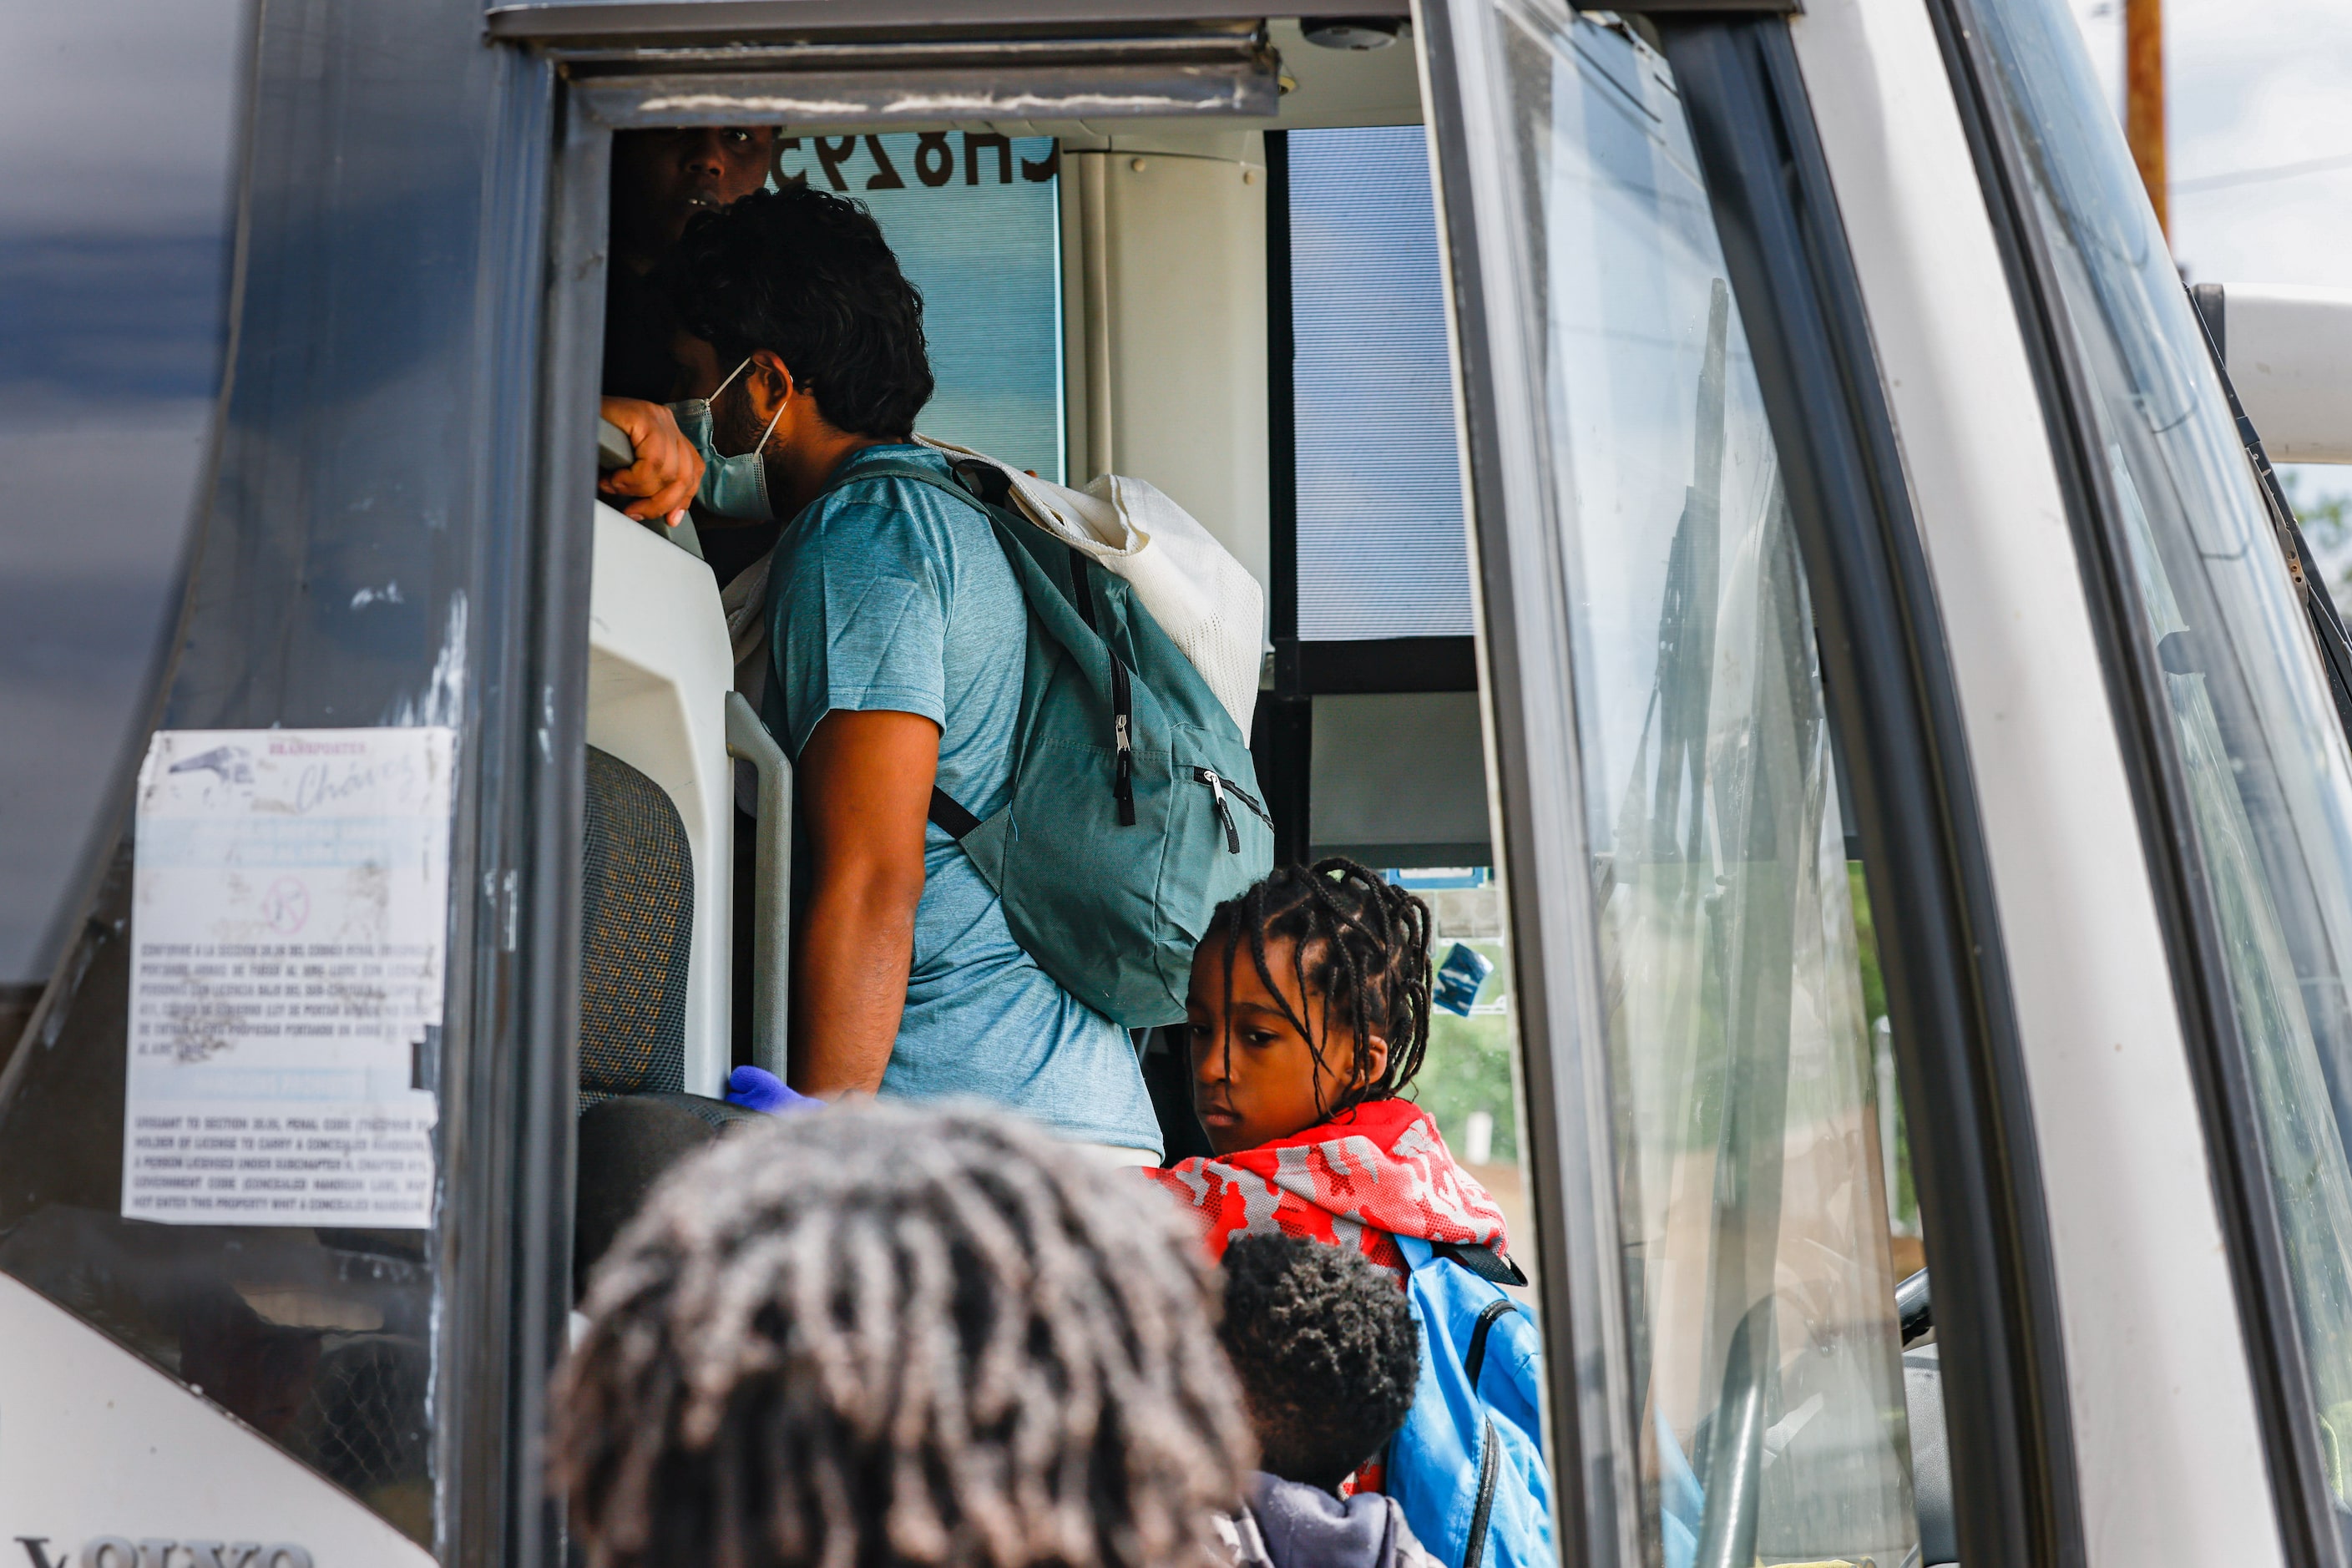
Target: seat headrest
[(627, 1144)]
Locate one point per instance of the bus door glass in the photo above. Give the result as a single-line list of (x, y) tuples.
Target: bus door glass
[(1755, 1199), (217, 1260), (2255, 737)]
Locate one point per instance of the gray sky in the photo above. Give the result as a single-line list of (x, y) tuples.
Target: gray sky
[(2253, 91), (2250, 89)]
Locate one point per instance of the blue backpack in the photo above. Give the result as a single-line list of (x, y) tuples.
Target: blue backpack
[(1468, 1467), (1134, 810)]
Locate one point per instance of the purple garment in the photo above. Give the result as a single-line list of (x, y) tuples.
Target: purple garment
[(1289, 1524)]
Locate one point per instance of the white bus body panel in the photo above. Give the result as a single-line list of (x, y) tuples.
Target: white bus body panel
[(2290, 356), (2164, 1434), (95, 1442), (659, 668)]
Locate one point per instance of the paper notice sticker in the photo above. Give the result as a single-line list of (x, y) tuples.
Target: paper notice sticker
[(289, 929)]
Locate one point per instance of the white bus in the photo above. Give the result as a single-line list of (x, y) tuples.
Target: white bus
[(1750, 520)]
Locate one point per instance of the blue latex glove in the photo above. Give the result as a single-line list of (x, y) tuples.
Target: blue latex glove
[(757, 1089)]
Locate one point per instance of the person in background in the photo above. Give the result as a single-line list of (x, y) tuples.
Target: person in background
[(1324, 1345), (1309, 1015), (884, 1334), (897, 646), (661, 180)]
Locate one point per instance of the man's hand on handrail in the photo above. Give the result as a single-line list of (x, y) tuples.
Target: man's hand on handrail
[(667, 471)]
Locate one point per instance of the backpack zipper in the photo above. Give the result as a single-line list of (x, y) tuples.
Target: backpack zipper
[(1122, 699), (1219, 786), (1239, 794), (1123, 735)]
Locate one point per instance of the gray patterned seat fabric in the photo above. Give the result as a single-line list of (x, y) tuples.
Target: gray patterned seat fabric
[(636, 917), (636, 922)]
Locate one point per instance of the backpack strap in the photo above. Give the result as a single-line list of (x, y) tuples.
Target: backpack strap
[(1475, 1357), (1490, 1465), (1484, 1262), (984, 486), (947, 814), (1420, 1254), (992, 487)]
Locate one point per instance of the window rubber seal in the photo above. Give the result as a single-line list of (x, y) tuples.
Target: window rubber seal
[(1894, 709), (2260, 1278)]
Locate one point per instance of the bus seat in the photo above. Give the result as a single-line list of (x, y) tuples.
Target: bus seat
[(660, 666), (637, 916), (626, 1146), (636, 919)]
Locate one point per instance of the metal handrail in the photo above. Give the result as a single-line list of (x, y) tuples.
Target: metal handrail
[(748, 739)]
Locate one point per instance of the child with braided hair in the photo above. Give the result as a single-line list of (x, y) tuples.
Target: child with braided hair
[(1308, 1017)]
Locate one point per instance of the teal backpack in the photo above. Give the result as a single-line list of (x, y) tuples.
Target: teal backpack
[(1135, 808)]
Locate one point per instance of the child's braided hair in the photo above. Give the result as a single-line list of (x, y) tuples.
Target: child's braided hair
[(1358, 941)]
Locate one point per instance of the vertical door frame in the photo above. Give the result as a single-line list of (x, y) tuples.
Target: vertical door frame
[(2261, 1272), (1527, 691)]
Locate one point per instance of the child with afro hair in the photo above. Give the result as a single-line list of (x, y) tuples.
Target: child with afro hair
[(1326, 1354)]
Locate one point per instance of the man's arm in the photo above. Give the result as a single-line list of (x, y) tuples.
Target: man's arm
[(864, 788)]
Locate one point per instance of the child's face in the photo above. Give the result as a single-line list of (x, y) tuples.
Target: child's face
[(1267, 1085)]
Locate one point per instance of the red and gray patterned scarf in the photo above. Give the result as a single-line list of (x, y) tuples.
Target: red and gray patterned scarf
[(1367, 1175)]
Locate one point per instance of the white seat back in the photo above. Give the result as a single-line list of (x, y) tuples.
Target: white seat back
[(659, 670)]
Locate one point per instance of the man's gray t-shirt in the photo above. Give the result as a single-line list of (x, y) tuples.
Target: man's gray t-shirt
[(889, 595)]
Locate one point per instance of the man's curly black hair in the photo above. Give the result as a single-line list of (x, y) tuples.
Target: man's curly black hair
[(807, 276), (1323, 1344)]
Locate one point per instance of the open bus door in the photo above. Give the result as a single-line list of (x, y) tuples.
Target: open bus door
[(1687, 451)]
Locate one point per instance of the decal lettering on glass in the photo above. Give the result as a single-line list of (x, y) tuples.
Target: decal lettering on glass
[(987, 158), (120, 1552)]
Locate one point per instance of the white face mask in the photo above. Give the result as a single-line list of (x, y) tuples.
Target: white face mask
[(734, 487)]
